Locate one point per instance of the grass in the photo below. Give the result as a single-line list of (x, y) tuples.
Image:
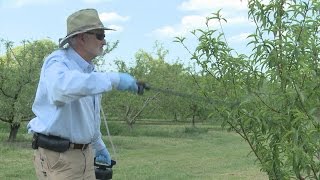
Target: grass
[(152, 152)]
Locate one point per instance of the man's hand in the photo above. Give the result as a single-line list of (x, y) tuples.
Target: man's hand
[(127, 83), (103, 157), (142, 86)]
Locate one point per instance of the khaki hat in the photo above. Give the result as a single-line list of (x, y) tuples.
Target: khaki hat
[(82, 21)]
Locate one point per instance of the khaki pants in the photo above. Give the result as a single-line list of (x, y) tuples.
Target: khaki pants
[(74, 164)]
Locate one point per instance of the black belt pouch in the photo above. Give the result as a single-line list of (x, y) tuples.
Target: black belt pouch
[(52, 143)]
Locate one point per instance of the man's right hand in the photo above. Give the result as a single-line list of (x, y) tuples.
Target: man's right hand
[(127, 83), (142, 86)]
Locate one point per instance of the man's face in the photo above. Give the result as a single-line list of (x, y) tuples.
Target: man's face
[(95, 42)]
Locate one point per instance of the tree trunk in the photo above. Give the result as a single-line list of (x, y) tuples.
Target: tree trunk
[(13, 132), (131, 126), (193, 120), (175, 117)]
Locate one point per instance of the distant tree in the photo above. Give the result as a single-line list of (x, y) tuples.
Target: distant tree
[(171, 79), (166, 80), (19, 75), (124, 105)]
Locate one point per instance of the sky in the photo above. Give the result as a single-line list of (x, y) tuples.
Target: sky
[(139, 24)]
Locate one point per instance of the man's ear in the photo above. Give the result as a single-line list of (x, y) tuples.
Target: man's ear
[(82, 38)]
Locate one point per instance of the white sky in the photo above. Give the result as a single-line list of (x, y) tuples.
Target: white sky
[(139, 23)]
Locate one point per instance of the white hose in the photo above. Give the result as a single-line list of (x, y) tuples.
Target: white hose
[(108, 133)]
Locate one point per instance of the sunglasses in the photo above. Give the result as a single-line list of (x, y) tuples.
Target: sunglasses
[(98, 36)]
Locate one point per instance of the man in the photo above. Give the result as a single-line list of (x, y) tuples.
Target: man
[(67, 104)]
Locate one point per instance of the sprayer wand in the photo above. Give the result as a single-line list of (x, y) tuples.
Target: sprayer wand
[(145, 86)]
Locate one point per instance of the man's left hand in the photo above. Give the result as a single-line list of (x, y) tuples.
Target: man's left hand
[(103, 157)]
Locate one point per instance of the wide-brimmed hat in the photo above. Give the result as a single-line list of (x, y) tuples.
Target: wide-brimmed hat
[(82, 21)]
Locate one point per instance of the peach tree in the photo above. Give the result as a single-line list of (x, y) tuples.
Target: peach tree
[(271, 95)]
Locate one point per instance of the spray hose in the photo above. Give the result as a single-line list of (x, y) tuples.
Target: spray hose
[(108, 133)]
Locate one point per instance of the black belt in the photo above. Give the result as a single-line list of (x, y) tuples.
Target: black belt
[(78, 146), (54, 143)]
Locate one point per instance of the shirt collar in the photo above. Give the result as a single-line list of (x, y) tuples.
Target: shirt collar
[(83, 64)]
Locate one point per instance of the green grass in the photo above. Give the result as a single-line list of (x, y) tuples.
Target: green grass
[(151, 152)]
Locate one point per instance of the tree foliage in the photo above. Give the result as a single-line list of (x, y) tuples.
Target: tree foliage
[(19, 74), (276, 87)]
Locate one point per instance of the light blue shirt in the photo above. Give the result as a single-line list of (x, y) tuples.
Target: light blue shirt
[(67, 102)]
